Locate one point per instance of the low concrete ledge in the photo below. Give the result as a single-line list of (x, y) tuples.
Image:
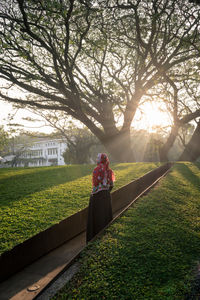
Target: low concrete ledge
[(32, 249)]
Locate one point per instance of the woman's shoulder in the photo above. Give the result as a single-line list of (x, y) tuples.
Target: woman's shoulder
[(98, 168)]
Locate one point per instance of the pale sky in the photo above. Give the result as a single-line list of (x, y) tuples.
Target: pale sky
[(151, 117), (6, 108)]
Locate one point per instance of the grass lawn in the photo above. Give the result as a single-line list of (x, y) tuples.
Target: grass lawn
[(151, 251), (33, 199)]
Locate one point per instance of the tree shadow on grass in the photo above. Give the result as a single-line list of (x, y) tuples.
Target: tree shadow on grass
[(197, 164), (188, 174), (19, 186), (122, 166), (16, 187), (149, 252), (160, 241), (156, 252)]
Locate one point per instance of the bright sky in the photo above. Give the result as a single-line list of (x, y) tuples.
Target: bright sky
[(151, 117), (6, 108)]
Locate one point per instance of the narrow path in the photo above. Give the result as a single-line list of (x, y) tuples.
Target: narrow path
[(40, 273)]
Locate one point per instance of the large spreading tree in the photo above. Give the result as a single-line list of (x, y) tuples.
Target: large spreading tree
[(192, 149), (94, 60), (181, 95)]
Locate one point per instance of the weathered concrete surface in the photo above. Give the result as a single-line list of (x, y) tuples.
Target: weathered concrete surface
[(59, 282), (41, 272), (32, 249)]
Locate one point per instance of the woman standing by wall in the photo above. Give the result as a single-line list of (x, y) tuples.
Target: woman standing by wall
[(100, 209)]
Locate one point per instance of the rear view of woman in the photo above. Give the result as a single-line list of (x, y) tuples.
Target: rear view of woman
[(100, 209)]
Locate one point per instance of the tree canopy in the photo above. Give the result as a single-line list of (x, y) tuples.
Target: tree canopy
[(95, 60)]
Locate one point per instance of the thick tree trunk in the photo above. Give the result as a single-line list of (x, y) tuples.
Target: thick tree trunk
[(192, 150), (163, 151), (119, 146)]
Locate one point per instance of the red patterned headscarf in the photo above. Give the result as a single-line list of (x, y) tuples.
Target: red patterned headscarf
[(102, 174)]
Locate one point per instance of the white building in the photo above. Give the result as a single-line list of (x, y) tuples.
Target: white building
[(45, 152)]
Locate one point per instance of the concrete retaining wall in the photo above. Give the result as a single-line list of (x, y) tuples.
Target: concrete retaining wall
[(30, 250)]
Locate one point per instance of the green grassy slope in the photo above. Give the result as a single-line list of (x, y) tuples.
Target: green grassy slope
[(151, 251), (33, 199)]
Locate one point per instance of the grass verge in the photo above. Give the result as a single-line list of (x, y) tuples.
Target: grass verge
[(151, 251), (33, 199)]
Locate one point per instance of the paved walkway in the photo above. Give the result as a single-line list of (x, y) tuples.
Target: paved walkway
[(28, 283)]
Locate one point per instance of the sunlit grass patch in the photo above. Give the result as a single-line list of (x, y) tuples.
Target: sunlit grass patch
[(150, 252), (33, 199)]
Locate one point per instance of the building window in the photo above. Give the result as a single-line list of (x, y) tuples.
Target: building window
[(52, 151), (34, 153)]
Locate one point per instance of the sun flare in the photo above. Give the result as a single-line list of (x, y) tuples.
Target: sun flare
[(150, 116)]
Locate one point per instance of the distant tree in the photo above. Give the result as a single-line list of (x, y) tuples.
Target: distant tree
[(94, 60), (17, 144), (82, 145), (17, 156), (181, 96), (152, 147), (185, 134), (79, 144), (146, 144), (192, 149), (4, 138), (80, 141)]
